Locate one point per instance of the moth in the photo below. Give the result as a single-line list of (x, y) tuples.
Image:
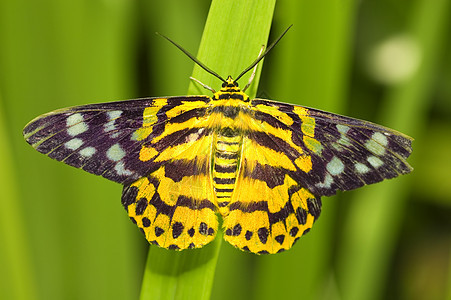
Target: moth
[(260, 165)]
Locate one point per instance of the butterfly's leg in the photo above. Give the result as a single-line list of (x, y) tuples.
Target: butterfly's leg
[(253, 71), (203, 85)]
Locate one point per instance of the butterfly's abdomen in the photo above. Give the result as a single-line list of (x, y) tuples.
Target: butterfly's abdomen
[(227, 149)]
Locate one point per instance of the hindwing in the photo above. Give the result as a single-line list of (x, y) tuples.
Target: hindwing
[(269, 209), (174, 205)]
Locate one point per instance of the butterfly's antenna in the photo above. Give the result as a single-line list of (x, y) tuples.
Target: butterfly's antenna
[(193, 58), (261, 57)]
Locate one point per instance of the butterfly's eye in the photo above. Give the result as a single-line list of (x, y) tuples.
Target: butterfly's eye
[(230, 84)]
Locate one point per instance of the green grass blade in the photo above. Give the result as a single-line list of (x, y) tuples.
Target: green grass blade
[(374, 220), (187, 274), (17, 276), (233, 35), (448, 290), (55, 54), (182, 21)]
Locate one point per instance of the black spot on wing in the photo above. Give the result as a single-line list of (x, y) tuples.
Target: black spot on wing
[(203, 228), (280, 238), (129, 195), (177, 229), (263, 234), (146, 222), (141, 206)]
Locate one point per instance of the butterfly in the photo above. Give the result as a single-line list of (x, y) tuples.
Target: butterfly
[(260, 165)]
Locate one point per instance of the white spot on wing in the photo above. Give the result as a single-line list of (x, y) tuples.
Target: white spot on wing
[(74, 119), (115, 153), (361, 168), (344, 140), (380, 138), (375, 161), (134, 136), (114, 114), (335, 166), (343, 129), (120, 169), (75, 124), (327, 183), (377, 143), (110, 125), (74, 144), (88, 151)]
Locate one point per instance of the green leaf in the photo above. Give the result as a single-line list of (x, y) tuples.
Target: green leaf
[(16, 279), (374, 221)]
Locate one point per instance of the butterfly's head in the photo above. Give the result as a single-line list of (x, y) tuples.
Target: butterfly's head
[(230, 83), (230, 86)]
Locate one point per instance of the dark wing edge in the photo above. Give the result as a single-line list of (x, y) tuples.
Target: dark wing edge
[(101, 138)]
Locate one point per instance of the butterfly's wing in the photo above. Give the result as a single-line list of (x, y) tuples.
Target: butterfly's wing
[(291, 156), (269, 210), (345, 153), (156, 147), (106, 139), (174, 205)]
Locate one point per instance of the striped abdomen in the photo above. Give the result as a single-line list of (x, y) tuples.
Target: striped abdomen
[(225, 164)]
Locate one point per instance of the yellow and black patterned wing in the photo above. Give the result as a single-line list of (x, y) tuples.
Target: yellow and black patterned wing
[(106, 139), (344, 153), (156, 147), (174, 205), (291, 156), (269, 209)]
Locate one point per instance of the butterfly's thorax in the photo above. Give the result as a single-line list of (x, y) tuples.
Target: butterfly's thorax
[(230, 106)]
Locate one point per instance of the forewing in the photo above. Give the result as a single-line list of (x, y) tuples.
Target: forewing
[(333, 152), (107, 139)]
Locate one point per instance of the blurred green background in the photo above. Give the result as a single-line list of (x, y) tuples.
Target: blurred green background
[(64, 233)]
